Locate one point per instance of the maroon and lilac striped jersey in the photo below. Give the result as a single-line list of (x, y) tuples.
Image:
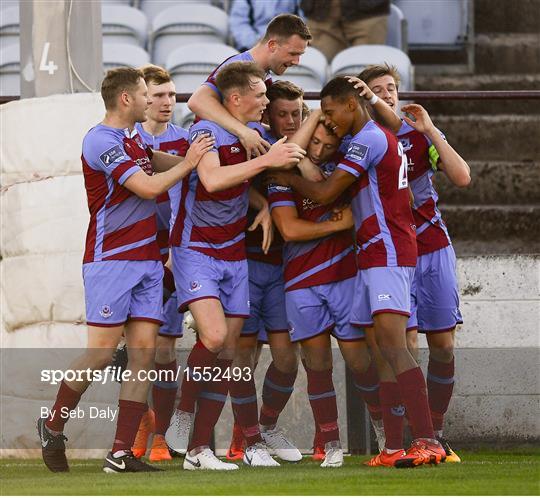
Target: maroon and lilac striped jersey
[(255, 237), (241, 57), (431, 232), (214, 223), (319, 261), (385, 231), (122, 224), (173, 141)]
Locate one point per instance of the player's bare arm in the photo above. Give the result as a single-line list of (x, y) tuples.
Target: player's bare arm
[(204, 102), (321, 192), (263, 218), (214, 178), (295, 229), (453, 165), (379, 109), (149, 187)]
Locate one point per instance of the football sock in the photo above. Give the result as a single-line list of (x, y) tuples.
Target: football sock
[(199, 357), (209, 406), (412, 388), (440, 384), (129, 418), (66, 399), (367, 386), (277, 389), (244, 405), (322, 398), (164, 395), (392, 414)]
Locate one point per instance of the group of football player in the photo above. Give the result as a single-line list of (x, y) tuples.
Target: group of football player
[(271, 224)]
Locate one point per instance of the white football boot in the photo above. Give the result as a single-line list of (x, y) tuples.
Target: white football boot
[(333, 454), (280, 446), (206, 460), (257, 455), (177, 435)]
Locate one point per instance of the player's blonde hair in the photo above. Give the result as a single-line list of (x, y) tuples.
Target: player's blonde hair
[(155, 74), (118, 80)]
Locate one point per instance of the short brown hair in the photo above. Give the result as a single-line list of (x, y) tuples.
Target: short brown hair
[(118, 80), (286, 25), (377, 70), (286, 90), (155, 74), (238, 75)]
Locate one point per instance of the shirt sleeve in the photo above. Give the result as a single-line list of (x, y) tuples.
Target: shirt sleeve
[(107, 153), (205, 128), (279, 196), (364, 151)]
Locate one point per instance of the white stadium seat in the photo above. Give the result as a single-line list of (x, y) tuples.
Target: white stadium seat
[(153, 7), (10, 80), (442, 25), (123, 24), (353, 59), (9, 26), (186, 23), (123, 54), (397, 29), (312, 72), (191, 64)]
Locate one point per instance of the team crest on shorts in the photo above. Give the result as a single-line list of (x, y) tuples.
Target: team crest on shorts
[(194, 286), (106, 311)]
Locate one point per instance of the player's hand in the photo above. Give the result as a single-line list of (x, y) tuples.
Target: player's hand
[(264, 219), (310, 171), (278, 178), (363, 89), (285, 155), (254, 144), (343, 217), (199, 148), (422, 122)]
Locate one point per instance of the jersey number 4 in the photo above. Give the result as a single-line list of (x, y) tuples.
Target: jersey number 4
[(402, 177)]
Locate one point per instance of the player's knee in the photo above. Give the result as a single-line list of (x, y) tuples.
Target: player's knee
[(444, 354), (99, 359), (287, 363)]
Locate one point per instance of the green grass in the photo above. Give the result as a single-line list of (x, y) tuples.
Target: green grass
[(505, 472)]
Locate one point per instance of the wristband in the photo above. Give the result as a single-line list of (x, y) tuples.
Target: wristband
[(373, 100)]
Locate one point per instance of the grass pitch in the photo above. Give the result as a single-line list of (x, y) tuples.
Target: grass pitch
[(515, 472)]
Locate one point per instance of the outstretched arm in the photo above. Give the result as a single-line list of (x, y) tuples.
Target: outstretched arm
[(451, 163)]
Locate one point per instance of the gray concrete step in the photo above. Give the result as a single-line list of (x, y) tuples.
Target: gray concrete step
[(507, 16), (494, 182), (493, 138), (482, 82), (497, 53), (493, 222), (507, 245)]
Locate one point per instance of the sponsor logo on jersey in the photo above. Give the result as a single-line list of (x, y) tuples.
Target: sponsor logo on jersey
[(278, 188), (106, 311), (112, 155), (357, 151), (194, 286), (235, 150), (309, 204), (384, 297)]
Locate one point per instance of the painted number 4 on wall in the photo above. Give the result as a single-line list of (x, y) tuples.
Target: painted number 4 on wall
[(45, 65)]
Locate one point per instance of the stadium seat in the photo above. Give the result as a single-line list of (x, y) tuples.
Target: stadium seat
[(397, 29), (153, 7), (9, 26), (191, 64), (123, 54), (123, 24), (10, 79), (312, 72), (353, 59), (442, 25), (187, 23)]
